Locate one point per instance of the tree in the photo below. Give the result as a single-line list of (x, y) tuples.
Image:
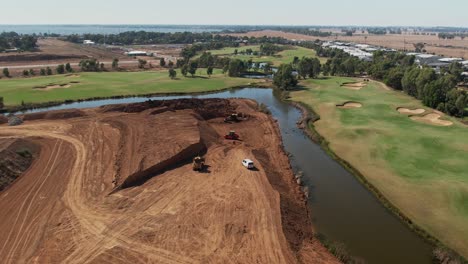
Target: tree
[(408, 82), (304, 67), (236, 68), (394, 78), (32, 72), (209, 71), (68, 67), (162, 62), (172, 73), (25, 73), (48, 71), (141, 63), (284, 79), (193, 66), (1, 102), (89, 65), (60, 69), (6, 72), (184, 70), (419, 47), (115, 63), (42, 72), (102, 66), (170, 64), (235, 52)]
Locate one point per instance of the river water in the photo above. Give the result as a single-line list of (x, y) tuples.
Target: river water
[(343, 210)]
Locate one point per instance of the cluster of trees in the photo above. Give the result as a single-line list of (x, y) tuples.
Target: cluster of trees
[(305, 31), (452, 35), (377, 31), (307, 67), (91, 65), (61, 69), (398, 71), (269, 49), (10, 40)]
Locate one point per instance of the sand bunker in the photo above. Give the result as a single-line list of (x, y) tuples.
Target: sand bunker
[(347, 105), (433, 119), (354, 85), (55, 86), (72, 75), (403, 110)]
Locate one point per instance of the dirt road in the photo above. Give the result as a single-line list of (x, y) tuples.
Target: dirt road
[(115, 185)]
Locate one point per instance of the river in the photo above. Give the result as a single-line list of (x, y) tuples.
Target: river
[(343, 210)]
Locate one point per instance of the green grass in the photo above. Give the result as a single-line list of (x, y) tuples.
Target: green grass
[(230, 50), (106, 84), (285, 56), (421, 168)]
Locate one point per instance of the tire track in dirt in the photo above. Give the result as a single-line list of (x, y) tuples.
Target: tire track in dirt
[(20, 211)]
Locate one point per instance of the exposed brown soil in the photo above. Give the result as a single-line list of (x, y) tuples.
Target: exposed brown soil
[(347, 105), (115, 185), (433, 119), (16, 155), (3, 119), (52, 50), (403, 110)]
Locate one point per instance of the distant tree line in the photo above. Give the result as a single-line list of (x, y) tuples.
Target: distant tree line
[(452, 35), (398, 71), (11, 40), (143, 37)]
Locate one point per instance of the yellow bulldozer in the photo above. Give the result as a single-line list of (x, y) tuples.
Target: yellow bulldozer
[(198, 163)]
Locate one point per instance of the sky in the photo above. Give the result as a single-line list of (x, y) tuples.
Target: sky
[(239, 12)]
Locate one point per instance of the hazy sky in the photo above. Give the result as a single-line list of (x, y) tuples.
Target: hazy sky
[(240, 12)]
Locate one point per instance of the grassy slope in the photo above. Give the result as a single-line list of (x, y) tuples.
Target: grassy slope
[(421, 168), (285, 56), (111, 83)]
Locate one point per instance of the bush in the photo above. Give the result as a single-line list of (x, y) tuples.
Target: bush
[(6, 72)]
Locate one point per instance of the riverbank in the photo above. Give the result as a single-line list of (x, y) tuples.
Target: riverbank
[(349, 136)]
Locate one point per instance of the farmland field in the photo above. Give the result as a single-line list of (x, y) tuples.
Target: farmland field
[(88, 85), (419, 166)]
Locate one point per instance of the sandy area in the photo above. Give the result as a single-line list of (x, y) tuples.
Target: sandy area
[(350, 105), (404, 110), (111, 186), (354, 86), (432, 118)]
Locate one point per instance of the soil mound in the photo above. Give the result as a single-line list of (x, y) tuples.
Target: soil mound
[(403, 110), (354, 85), (16, 155), (206, 108), (3, 119), (433, 119), (54, 115), (348, 105)]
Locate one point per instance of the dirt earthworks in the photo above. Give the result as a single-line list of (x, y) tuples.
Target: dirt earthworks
[(115, 185)]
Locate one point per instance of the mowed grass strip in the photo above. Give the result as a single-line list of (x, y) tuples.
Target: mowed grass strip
[(421, 168), (105, 84)]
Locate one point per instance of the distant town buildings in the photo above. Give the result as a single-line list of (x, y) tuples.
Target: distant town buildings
[(365, 51)]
